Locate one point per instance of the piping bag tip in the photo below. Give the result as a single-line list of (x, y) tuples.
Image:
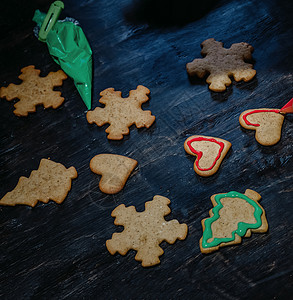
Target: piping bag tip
[(85, 93), (287, 108)]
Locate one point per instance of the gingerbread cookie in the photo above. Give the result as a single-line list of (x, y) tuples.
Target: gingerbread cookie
[(221, 63), (210, 152), (121, 113), (233, 216), (34, 90), (52, 181), (115, 170), (266, 122), (144, 231)]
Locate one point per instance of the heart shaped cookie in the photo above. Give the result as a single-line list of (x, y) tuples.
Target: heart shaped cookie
[(267, 123), (210, 152), (115, 170)]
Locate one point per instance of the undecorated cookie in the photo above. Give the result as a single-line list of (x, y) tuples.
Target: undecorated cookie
[(233, 216), (121, 113), (52, 181), (34, 90), (221, 64), (266, 122), (209, 152), (145, 231), (115, 170)]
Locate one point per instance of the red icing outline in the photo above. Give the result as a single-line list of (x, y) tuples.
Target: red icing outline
[(199, 153), (244, 117)]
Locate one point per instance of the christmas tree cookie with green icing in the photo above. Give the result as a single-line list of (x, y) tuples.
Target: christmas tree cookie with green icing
[(233, 216)]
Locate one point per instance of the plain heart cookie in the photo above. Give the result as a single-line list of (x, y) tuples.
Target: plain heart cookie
[(266, 122), (114, 169), (210, 152)]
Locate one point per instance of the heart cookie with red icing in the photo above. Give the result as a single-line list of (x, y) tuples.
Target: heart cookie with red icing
[(267, 123), (210, 152)]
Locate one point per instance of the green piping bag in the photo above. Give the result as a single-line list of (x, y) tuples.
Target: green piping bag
[(68, 47)]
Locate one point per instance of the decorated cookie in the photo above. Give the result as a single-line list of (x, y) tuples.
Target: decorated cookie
[(209, 152), (266, 122), (233, 216), (121, 113), (221, 63), (145, 231), (115, 170), (34, 90), (52, 181)]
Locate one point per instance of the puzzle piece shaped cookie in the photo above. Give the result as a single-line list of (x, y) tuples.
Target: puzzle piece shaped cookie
[(34, 90), (233, 216), (115, 170), (210, 152), (221, 63), (52, 181), (266, 122), (144, 231), (121, 113)]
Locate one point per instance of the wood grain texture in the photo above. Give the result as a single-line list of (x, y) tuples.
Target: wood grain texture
[(58, 251)]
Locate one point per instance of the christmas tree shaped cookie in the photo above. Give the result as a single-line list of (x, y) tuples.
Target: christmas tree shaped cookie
[(121, 113), (209, 152), (144, 231), (52, 181), (221, 63), (234, 216), (34, 90)]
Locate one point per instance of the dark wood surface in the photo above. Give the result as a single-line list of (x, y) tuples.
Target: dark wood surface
[(58, 251)]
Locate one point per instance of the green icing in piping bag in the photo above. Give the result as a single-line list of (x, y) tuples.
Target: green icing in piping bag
[(68, 47)]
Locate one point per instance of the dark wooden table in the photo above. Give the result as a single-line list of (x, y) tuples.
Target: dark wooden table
[(58, 251)]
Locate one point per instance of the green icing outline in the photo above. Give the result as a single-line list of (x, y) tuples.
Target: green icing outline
[(242, 226)]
